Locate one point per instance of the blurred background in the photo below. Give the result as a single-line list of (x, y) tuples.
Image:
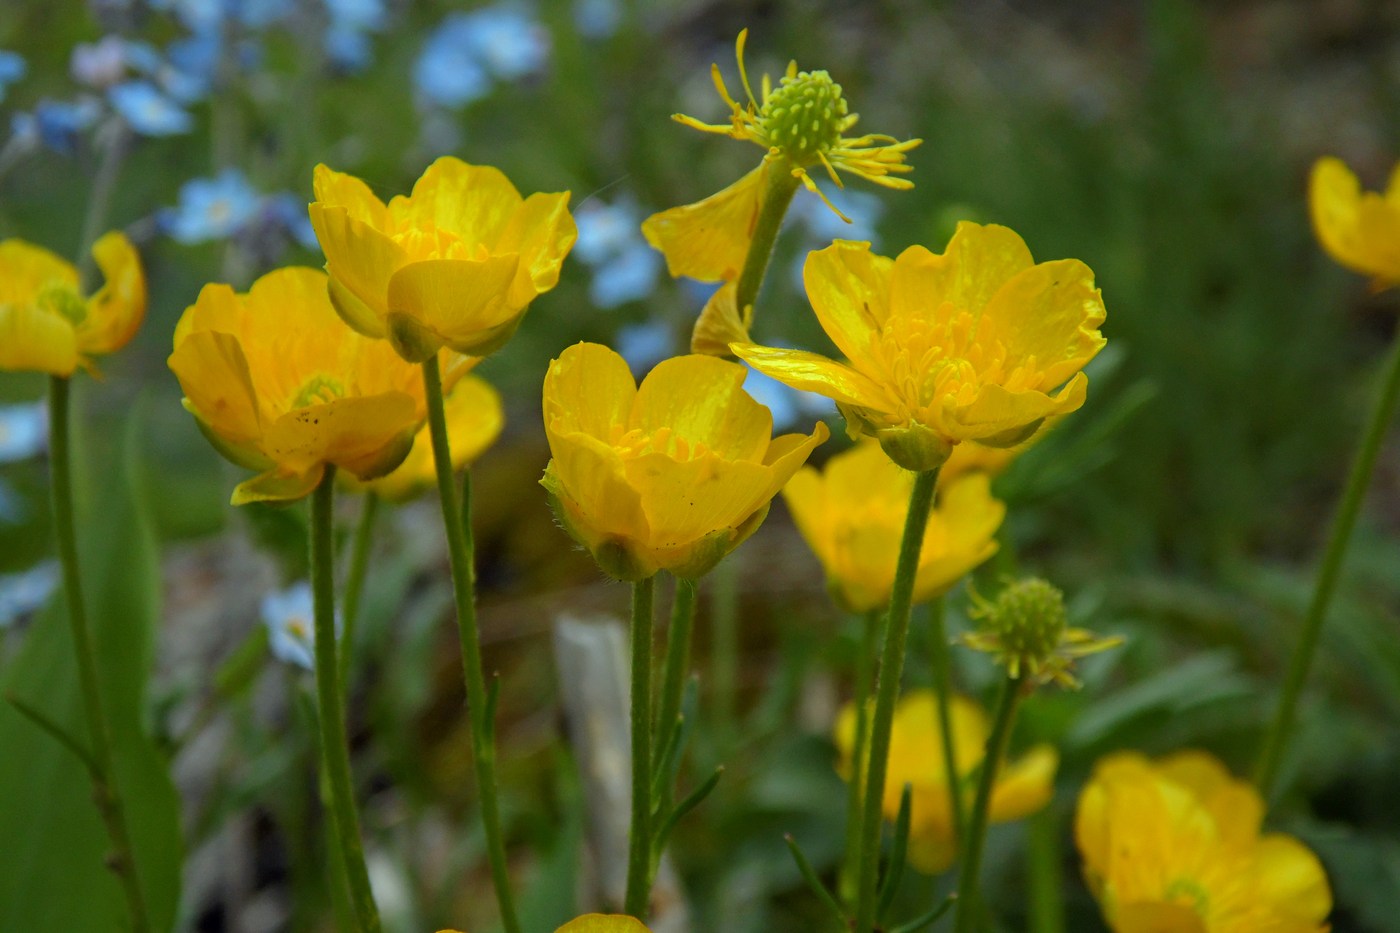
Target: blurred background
[(1165, 143)]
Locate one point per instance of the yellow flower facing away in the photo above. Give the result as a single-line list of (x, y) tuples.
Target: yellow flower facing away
[(474, 421), (453, 264), (980, 343), (852, 516), (1023, 785), (669, 475), (1175, 845), (1360, 229), (47, 325), (598, 923), (278, 384)]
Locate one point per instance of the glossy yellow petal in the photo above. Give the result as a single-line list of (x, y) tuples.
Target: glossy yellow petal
[(978, 260), (1050, 313), (1292, 880), (33, 339), (686, 500), (815, 373), (849, 288), (354, 433), (361, 260), (475, 202), (1025, 785), (541, 231), (339, 190), (1360, 230), (709, 240), (26, 270), (588, 389), (458, 300), (218, 386), (1158, 918), (1000, 417), (701, 399), (720, 324), (115, 311), (593, 483), (603, 923)]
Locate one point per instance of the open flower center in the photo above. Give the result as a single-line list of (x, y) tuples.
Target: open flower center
[(804, 116), (318, 390), (63, 299), (636, 443)]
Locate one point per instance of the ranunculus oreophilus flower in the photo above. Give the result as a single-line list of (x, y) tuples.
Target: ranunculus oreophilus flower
[(279, 385), (852, 516), (474, 421), (671, 475), (1023, 785), (980, 343), (1175, 844), (46, 325), (1361, 229), (453, 264)]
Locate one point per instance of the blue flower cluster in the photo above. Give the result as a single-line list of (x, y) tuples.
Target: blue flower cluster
[(469, 52), (228, 206), (289, 615), (625, 267)]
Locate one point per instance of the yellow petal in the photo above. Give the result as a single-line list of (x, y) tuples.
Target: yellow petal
[(961, 535), (358, 256), (979, 259), (115, 312), (849, 288), (218, 386), (459, 300), (353, 433), (709, 240), (474, 421), (475, 202), (1235, 805), (687, 500), (340, 190), (1158, 918), (588, 389), (701, 399), (1051, 312), (998, 416), (1025, 785), (541, 231), (592, 478), (36, 340), (26, 270), (815, 373), (603, 923), (275, 486), (1292, 880), (719, 324), (788, 452)]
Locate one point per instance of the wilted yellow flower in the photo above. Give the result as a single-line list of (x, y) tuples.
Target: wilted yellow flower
[(671, 475), (454, 264), (598, 923), (474, 421), (1026, 628), (46, 325), (852, 516), (1360, 229), (1174, 845), (969, 345), (279, 385), (1023, 786)]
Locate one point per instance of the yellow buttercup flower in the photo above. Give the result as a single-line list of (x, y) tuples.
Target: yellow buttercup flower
[(969, 345), (1360, 229), (279, 385), (852, 516), (474, 421), (453, 264), (46, 325), (1174, 844), (1023, 786), (671, 475), (598, 923)]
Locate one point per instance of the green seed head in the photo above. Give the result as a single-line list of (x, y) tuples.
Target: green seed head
[(1028, 617), (62, 299), (804, 115)]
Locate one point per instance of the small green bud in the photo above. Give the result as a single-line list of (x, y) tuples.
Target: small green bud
[(1028, 618)]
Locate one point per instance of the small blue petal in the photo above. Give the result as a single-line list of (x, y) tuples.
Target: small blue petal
[(56, 124), (606, 230), (358, 14), (148, 111), (628, 277), (446, 73), (291, 624), (644, 345), (289, 212), (24, 593), (211, 208), (24, 431), (349, 49), (508, 41), (597, 19)]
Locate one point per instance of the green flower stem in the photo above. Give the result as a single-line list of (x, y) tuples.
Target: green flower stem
[(1348, 508), (782, 185), (886, 692), (355, 583), (942, 691), (976, 839), (677, 664), (105, 791), (639, 834), (724, 652), (860, 700), (461, 553), (335, 745)]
